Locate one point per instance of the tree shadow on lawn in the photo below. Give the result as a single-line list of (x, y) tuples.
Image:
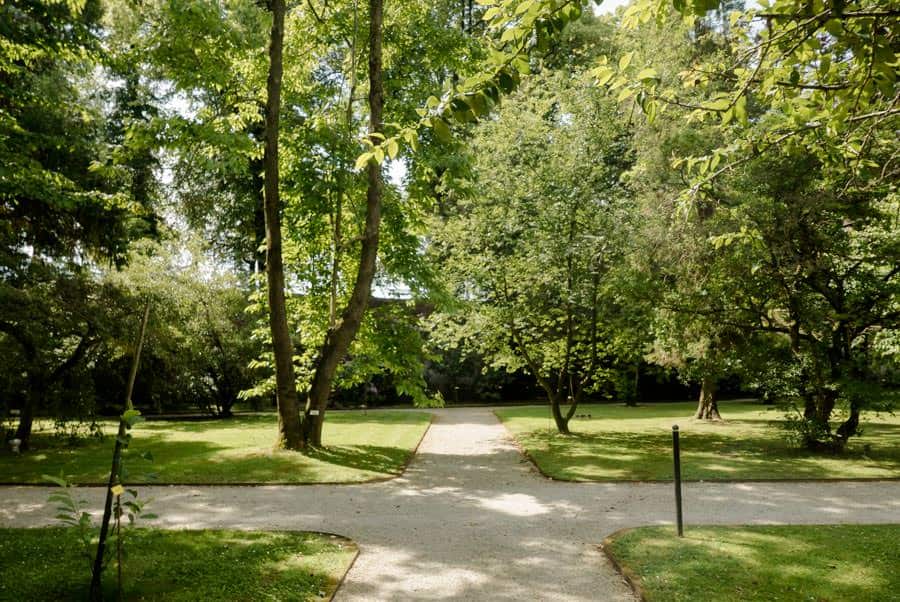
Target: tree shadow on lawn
[(681, 410), (203, 462), (611, 455), (176, 565), (238, 423), (388, 461), (214, 464), (762, 563), (226, 451)]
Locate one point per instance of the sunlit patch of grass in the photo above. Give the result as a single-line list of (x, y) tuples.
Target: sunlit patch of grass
[(820, 562), (44, 564), (635, 443), (359, 447)]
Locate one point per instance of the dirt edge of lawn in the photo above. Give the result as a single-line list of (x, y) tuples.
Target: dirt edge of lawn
[(350, 564), (537, 468), (340, 582), (629, 576), (382, 479)]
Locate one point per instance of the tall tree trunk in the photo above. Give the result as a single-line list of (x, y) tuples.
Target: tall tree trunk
[(708, 408), (632, 399), (289, 427), (338, 339), (336, 242), (26, 416)]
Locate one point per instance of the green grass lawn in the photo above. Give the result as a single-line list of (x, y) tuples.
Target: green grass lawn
[(46, 565), (622, 443), (821, 563), (359, 447)]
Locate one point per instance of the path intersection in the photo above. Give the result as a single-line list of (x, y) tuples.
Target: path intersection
[(470, 519)]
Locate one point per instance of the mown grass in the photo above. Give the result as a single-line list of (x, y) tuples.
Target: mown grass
[(358, 447), (623, 443), (821, 563), (47, 565)]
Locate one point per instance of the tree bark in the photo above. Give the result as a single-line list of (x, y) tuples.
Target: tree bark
[(41, 382), (561, 420), (289, 426), (849, 427), (338, 338), (26, 417), (708, 407)]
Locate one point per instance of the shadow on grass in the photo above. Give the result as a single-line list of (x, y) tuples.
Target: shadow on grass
[(241, 423), (365, 446), (206, 462), (372, 458), (44, 564), (741, 450), (823, 562)]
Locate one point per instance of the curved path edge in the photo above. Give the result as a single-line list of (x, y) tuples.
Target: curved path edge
[(470, 520)]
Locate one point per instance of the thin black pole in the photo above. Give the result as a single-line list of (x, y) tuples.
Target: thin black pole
[(676, 452)]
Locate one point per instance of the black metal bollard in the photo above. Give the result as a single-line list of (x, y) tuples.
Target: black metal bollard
[(676, 452)]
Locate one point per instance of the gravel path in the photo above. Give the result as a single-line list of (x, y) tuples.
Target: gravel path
[(471, 520)]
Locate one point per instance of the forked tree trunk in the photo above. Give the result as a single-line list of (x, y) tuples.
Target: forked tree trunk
[(40, 383), (289, 427), (561, 419), (339, 337), (708, 407)]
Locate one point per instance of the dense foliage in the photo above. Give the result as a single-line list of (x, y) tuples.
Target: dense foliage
[(445, 192)]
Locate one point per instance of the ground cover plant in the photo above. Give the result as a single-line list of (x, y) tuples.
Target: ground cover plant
[(362, 446), (44, 564), (813, 562), (635, 443)]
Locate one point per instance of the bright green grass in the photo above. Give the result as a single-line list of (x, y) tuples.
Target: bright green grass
[(46, 565), (622, 443), (359, 447), (830, 563)]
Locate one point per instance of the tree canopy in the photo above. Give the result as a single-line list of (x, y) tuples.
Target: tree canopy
[(322, 199)]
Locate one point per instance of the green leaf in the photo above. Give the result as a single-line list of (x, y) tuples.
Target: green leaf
[(491, 13), (132, 417), (524, 6), (392, 148), (719, 105), (625, 94), (740, 110), (603, 75), (363, 160), (726, 116), (442, 130), (55, 480)]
